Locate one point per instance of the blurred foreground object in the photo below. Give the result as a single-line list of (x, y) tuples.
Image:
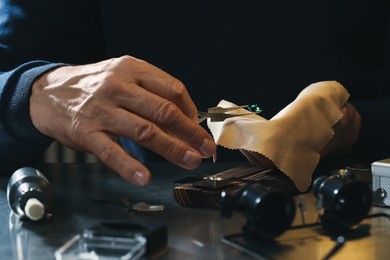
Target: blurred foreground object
[(29, 194), (344, 200)]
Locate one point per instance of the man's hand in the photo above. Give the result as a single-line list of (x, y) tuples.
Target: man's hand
[(87, 107)]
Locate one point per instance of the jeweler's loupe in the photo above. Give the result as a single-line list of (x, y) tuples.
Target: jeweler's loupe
[(344, 200), (268, 213)]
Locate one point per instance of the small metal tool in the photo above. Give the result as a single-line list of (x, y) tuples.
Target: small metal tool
[(217, 114), (125, 204), (142, 206)]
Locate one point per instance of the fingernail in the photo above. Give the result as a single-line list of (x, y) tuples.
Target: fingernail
[(191, 159), (140, 178), (207, 148)]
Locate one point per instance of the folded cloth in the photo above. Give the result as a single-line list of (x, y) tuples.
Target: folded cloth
[(294, 137)]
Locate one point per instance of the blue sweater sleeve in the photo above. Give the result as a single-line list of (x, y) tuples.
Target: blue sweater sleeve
[(36, 36), (21, 144)]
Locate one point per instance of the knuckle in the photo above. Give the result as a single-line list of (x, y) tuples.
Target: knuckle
[(130, 62), (109, 83), (107, 76), (122, 59), (108, 155), (165, 113), (177, 90), (173, 150), (144, 133), (126, 59), (112, 85)]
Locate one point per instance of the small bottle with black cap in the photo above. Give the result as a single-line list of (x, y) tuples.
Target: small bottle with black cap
[(29, 194)]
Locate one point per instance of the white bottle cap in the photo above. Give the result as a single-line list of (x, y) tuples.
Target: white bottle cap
[(34, 209)]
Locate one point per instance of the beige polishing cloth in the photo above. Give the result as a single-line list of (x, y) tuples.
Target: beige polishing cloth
[(293, 138)]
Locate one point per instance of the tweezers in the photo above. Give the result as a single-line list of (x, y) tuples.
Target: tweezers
[(217, 114)]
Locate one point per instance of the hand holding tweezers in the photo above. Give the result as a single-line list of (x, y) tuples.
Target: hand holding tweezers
[(217, 114)]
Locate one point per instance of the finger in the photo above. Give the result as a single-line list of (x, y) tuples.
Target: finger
[(166, 116), (152, 137), (156, 81), (174, 91), (112, 155)]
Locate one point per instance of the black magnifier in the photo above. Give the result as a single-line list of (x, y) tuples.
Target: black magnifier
[(345, 201), (342, 202), (269, 213)]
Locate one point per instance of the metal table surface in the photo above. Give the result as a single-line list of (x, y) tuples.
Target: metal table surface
[(193, 233)]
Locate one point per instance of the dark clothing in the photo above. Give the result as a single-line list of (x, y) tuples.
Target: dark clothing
[(262, 52)]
